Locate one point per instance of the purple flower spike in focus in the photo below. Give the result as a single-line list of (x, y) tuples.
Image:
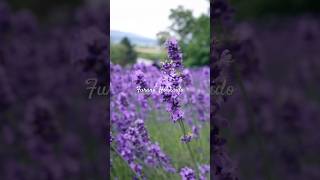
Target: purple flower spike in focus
[(172, 79), (187, 173), (174, 52)]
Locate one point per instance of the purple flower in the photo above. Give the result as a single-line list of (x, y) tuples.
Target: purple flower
[(172, 79), (174, 52), (156, 153), (204, 170), (187, 173), (139, 79), (186, 77), (136, 168), (177, 115), (186, 138), (195, 131)]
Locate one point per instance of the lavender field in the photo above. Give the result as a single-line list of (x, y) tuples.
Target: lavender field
[(160, 120)]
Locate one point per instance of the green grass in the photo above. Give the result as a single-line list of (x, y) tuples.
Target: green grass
[(168, 134)]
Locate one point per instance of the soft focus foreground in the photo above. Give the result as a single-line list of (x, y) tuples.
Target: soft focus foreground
[(273, 117), (49, 129)]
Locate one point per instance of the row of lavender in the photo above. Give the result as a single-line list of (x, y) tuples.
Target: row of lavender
[(137, 91)]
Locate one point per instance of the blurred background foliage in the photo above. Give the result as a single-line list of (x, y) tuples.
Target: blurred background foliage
[(43, 8), (248, 9), (194, 35), (123, 53)]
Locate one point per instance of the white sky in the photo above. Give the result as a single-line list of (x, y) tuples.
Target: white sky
[(148, 17)]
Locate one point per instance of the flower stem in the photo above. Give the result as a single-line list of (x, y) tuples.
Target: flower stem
[(188, 147)]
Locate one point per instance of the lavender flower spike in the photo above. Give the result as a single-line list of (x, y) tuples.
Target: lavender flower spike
[(174, 53)]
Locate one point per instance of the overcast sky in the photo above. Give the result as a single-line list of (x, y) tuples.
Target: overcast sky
[(148, 17)]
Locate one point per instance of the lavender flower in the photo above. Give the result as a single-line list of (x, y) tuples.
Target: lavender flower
[(174, 53), (171, 79), (204, 170), (187, 173), (186, 138)]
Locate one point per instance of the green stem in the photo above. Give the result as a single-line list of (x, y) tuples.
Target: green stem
[(189, 149), (113, 171)]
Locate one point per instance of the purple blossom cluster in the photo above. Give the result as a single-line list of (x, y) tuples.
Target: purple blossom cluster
[(174, 53), (172, 79), (187, 173), (132, 142)]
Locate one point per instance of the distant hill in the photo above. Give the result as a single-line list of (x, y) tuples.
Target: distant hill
[(116, 37)]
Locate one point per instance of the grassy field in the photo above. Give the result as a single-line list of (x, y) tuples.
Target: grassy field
[(150, 50), (168, 136), (152, 53)]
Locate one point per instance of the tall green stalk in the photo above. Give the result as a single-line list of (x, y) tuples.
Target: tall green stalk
[(189, 149)]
